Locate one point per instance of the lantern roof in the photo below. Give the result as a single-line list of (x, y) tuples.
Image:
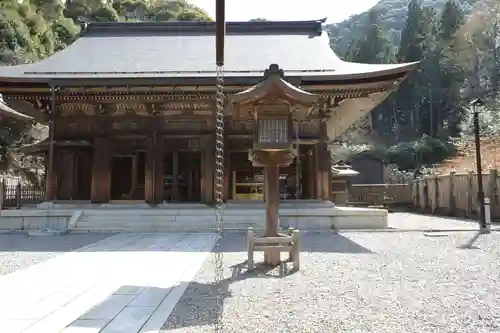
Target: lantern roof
[(274, 86), (341, 169), (273, 89)]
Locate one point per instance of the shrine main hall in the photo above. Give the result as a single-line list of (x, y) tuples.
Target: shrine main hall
[(131, 109)]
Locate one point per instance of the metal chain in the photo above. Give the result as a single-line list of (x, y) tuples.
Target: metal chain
[(219, 197)]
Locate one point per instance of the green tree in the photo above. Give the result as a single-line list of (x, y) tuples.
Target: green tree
[(375, 47)]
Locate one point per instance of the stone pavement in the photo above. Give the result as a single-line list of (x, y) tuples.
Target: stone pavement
[(125, 283)]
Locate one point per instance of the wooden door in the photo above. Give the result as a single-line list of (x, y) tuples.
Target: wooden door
[(83, 176)]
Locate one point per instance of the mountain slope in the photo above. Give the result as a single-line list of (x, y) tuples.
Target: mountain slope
[(392, 17)]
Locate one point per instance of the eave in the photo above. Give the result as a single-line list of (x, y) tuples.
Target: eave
[(8, 112), (326, 80)]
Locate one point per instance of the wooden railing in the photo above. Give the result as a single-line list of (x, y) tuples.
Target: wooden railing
[(15, 194), (379, 194)]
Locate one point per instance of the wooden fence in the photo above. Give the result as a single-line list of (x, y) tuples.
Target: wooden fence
[(453, 194), (13, 193), (380, 194)]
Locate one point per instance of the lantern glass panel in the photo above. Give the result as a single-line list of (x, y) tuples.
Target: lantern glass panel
[(273, 131)]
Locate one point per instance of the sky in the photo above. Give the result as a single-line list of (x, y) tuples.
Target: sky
[(288, 10)]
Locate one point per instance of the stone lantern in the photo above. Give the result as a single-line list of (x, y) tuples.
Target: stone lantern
[(274, 105)]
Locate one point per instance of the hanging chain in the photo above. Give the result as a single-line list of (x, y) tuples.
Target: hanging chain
[(219, 196)]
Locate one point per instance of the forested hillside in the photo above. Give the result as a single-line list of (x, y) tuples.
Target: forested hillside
[(392, 15), (35, 29), (420, 124)]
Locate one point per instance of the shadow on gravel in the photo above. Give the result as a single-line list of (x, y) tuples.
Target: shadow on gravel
[(324, 242), (470, 243), (198, 305)]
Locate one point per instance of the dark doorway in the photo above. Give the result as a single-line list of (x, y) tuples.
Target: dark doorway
[(122, 172), (83, 176)]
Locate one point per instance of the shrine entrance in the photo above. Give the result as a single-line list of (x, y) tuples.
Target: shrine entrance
[(182, 176)]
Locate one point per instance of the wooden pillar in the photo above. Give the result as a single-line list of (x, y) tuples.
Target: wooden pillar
[(158, 175), (324, 174), (50, 174), (452, 201), (318, 194), (149, 172), (312, 173), (101, 171), (324, 165), (175, 176), (272, 200)]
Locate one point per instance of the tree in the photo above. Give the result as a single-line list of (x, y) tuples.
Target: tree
[(375, 47)]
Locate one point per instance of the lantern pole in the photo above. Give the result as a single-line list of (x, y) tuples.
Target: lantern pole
[(483, 226)]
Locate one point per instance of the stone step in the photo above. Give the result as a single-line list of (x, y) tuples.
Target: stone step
[(169, 219), (102, 224), (177, 227), (167, 212)]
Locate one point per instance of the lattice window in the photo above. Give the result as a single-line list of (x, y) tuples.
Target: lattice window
[(273, 131)]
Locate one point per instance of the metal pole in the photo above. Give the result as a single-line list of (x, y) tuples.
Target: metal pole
[(480, 188)]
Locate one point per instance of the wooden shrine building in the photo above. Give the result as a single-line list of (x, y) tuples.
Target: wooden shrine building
[(131, 108)]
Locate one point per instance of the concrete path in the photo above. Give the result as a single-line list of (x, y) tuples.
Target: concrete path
[(125, 283)]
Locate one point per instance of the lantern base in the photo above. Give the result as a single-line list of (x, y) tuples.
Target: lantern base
[(272, 248)]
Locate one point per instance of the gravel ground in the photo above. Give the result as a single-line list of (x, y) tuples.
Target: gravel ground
[(355, 282), (18, 250)]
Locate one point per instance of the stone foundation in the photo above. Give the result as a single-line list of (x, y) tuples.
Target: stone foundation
[(303, 215)]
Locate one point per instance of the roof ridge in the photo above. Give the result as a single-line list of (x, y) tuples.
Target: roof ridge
[(311, 27)]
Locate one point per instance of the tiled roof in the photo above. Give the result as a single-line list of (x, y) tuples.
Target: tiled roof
[(187, 50)]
